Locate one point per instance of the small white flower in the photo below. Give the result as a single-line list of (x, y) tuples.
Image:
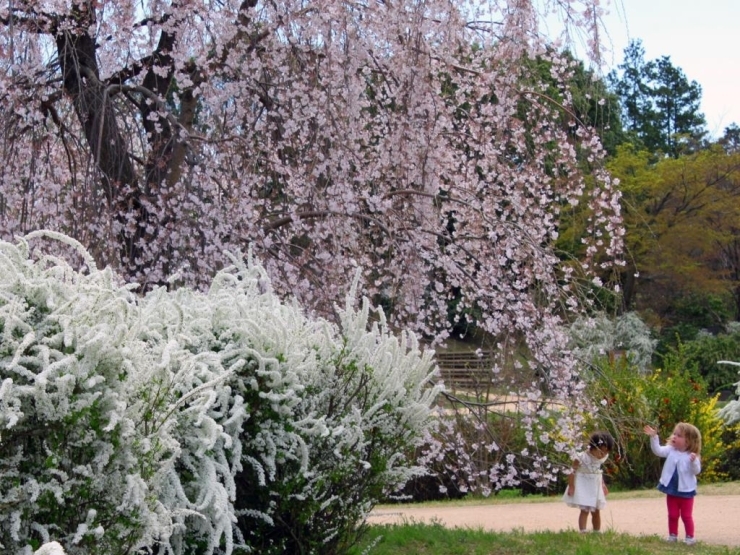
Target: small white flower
[(52, 548)]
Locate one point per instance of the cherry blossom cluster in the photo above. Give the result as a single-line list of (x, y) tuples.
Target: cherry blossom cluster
[(416, 144)]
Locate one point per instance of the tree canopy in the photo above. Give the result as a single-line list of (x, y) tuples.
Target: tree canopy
[(399, 138), (682, 225), (660, 105)]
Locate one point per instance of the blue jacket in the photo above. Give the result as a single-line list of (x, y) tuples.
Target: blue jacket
[(679, 461)]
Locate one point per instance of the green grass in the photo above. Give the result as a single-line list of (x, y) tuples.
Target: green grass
[(435, 539)]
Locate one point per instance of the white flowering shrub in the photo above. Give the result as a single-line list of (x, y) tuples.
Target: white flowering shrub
[(51, 548), (731, 411), (330, 412), (78, 450), (596, 336), (186, 422)]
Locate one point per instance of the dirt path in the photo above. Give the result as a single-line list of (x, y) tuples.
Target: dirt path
[(715, 516)]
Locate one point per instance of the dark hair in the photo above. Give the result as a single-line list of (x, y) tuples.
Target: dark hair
[(601, 440)]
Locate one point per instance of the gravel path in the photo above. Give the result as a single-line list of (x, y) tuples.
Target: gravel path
[(716, 516)]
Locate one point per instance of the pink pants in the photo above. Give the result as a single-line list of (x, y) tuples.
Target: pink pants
[(683, 508)]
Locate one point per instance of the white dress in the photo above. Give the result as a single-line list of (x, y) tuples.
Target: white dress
[(588, 481)]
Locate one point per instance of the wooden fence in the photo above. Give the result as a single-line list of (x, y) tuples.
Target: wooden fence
[(465, 369)]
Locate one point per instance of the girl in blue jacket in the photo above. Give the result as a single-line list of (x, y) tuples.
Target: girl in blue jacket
[(678, 478)]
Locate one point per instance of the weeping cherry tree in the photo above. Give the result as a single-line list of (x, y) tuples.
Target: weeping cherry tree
[(414, 142)]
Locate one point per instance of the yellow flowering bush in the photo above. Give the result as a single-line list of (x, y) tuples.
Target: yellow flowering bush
[(662, 398)]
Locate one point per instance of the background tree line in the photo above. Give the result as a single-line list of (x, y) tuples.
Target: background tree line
[(679, 199), (680, 189), (680, 202)]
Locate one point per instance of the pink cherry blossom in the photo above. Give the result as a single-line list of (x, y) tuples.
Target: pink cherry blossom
[(409, 140)]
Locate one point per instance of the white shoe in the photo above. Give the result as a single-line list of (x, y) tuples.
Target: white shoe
[(689, 540), (672, 538)]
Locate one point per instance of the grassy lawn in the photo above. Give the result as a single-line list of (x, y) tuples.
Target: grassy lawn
[(435, 539)]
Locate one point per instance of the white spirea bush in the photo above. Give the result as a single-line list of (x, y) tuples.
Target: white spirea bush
[(51, 548), (595, 337), (188, 422), (731, 411)]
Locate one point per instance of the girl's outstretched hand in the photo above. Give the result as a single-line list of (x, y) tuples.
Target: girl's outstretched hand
[(650, 430)]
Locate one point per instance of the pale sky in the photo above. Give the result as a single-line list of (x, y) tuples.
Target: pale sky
[(700, 37)]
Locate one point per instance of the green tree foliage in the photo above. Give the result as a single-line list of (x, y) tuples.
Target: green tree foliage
[(589, 101), (691, 315), (707, 350), (660, 105), (633, 90), (730, 141), (682, 217)]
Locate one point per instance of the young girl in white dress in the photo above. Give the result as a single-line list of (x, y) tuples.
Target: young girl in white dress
[(586, 488)]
